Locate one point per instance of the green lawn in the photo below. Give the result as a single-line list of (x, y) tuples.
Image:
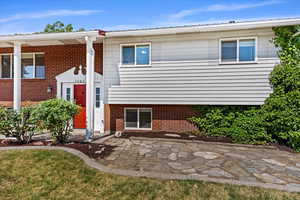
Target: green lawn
[(41, 174)]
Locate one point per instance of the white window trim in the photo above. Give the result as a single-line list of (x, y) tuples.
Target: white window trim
[(138, 119), (238, 48), (11, 65), (135, 64)]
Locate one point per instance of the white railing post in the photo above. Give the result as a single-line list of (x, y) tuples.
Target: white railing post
[(17, 76), (90, 93)]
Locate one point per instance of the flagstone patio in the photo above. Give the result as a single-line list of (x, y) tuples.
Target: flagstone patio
[(221, 161)]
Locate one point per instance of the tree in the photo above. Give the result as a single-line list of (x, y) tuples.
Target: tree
[(59, 26)]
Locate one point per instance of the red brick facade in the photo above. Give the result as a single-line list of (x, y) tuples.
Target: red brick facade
[(58, 59), (167, 118)]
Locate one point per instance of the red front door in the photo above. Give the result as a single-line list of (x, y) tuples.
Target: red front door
[(80, 99)]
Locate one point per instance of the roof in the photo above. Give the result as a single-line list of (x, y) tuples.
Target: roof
[(39, 39), (232, 25)]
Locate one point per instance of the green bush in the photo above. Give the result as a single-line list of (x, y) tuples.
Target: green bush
[(216, 120), (21, 125), (278, 120), (248, 127), (293, 140), (242, 125), (55, 115)]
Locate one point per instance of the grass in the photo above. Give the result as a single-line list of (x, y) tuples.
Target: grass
[(42, 174)]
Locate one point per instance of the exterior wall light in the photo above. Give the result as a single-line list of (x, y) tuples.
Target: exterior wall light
[(49, 89)]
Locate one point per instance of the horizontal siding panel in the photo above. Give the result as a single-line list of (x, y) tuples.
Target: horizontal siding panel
[(221, 78), (199, 86), (166, 83), (207, 70), (212, 101), (190, 96), (200, 90), (224, 74)]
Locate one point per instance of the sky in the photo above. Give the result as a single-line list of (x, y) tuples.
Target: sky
[(26, 16)]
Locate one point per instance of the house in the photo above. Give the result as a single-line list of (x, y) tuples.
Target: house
[(145, 79)]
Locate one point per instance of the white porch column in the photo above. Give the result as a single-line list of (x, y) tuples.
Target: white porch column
[(17, 76), (90, 82)]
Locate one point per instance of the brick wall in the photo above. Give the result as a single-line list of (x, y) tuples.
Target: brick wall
[(58, 59), (168, 118)]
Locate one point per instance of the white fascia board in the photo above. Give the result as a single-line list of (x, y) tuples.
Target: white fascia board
[(49, 36), (205, 28)]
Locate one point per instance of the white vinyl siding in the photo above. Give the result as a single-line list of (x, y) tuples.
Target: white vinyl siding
[(185, 69)]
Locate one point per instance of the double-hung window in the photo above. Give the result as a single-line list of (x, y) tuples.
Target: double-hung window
[(32, 65), (135, 54), (138, 118), (238, 50)]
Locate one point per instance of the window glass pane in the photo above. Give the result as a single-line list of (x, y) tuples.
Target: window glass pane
[(27, 66), (97, 97), (128, 55), (145, 118), (39, 66), (5, 66), (68, 94), (229, 51), (247, 50), (131, 118), (142, 54)]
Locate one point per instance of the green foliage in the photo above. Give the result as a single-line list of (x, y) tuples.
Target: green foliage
[(55, 115), (285, 78), (20, 125), (248, 127), (278, 120), (288, 44), (242, 124), (59, 26)]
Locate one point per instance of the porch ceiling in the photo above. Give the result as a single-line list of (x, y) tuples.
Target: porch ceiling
[(45, 39)]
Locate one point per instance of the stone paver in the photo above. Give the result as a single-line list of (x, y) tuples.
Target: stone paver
[(199, 159)]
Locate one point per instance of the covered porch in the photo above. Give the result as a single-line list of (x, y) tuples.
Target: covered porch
[(16, 44)]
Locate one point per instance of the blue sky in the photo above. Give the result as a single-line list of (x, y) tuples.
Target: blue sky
[(18, 16)]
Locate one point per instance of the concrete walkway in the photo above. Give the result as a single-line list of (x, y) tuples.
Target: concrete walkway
[(203, 164), (219, 162)]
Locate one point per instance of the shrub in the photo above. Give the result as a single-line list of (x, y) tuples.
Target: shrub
[(241, 124), (215, 120), (293, 140), (248, 127), (21, 125), (55, 115)]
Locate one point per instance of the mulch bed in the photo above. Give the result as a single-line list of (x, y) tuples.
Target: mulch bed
[(169, 135), (96, 151), (185, 136)]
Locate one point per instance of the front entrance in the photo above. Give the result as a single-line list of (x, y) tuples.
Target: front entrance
[(71, 87), (80, 100)]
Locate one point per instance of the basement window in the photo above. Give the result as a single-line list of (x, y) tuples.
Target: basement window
[(32, 66), (138, 118)]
